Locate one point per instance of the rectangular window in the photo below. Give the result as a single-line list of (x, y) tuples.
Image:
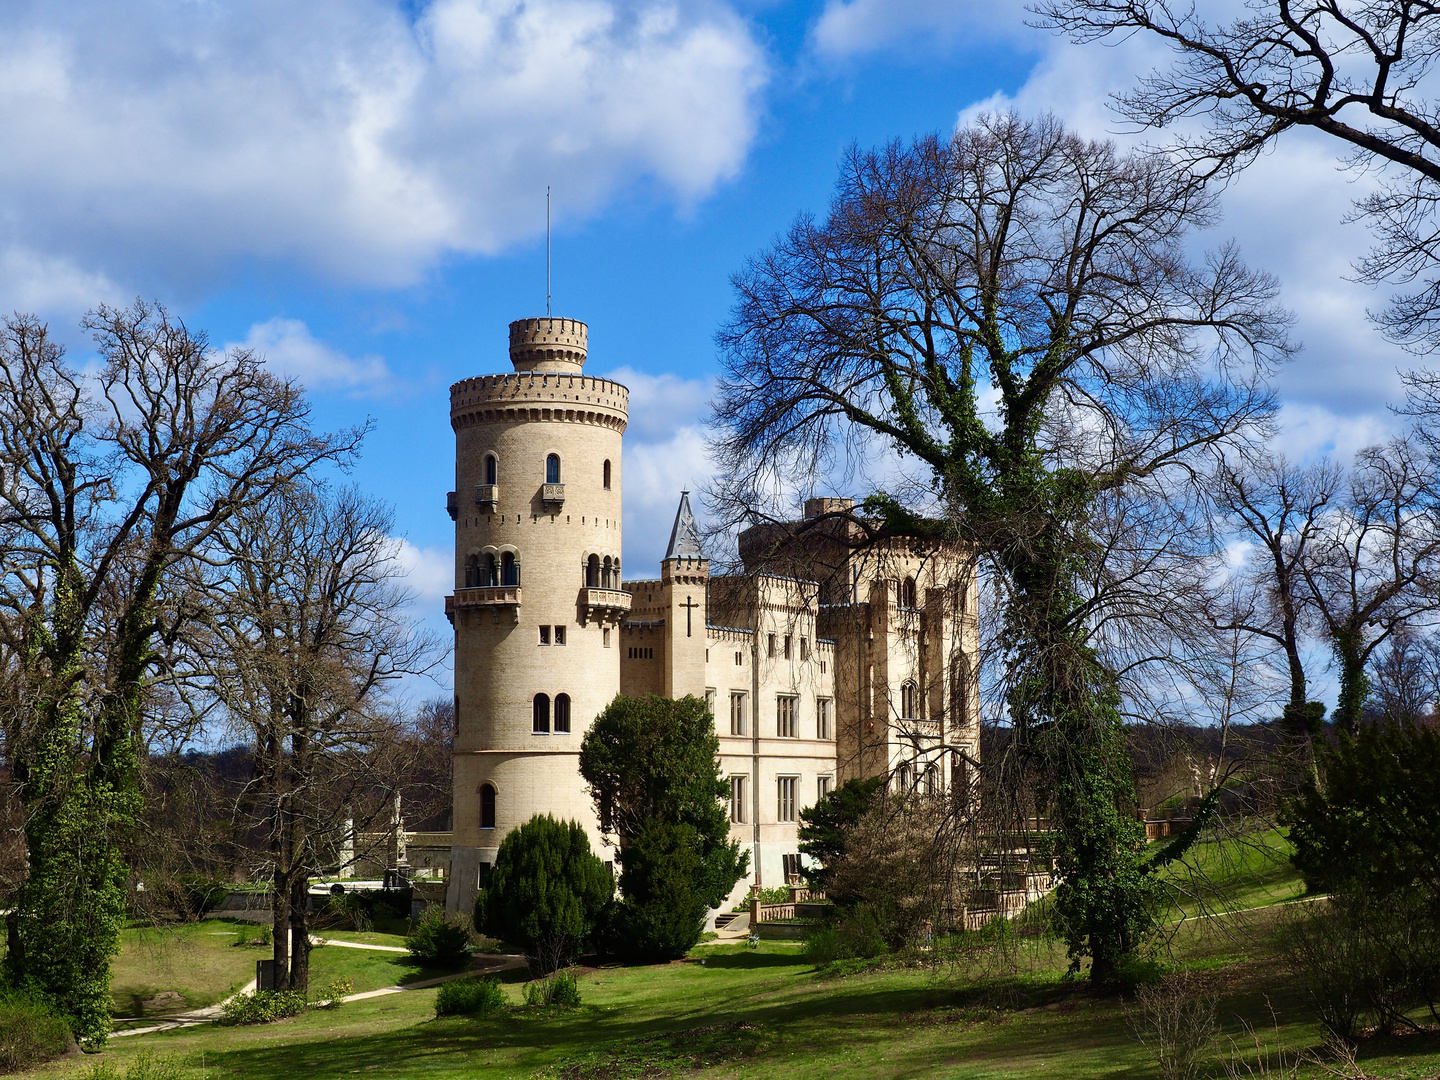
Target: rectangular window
[(822, 787), (822, 719), (710, 701), (770, 646), (544, 635), (737, 799), (787, 646), (559, 635), (605, 637), (739, 659), (791, 862), (785, 716), (785, 808), (804, 649), (737, 714)]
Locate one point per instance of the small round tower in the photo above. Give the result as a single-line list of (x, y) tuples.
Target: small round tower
[(537, 600)]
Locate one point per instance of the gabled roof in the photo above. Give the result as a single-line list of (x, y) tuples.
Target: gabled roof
[(685, 536)]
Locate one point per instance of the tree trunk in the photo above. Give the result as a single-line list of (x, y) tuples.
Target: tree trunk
[(300, 932), (1354, 685), (280, 946)]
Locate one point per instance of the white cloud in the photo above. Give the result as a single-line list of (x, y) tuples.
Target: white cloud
[(288, 346), (429, 572), (659, 404), (654, 474), (344, 136)]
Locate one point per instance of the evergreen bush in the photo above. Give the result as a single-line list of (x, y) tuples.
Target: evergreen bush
[(438, 939), (664, 911), (480, 996), (546, 893)]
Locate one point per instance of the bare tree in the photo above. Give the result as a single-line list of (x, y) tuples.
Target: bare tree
[(1357, 71), (1280, 506), (1376, 565), (1019, 260), (307, 633), (106, 486)]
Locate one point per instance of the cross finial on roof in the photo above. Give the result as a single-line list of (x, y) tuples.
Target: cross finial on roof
[(685, 536)]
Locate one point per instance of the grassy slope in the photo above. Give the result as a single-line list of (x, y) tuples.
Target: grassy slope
[(966, 1020), (199, 961)]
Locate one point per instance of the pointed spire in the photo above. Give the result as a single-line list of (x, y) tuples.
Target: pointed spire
[(685, 536)]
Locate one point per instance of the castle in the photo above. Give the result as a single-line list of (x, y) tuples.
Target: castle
[(825, 659)]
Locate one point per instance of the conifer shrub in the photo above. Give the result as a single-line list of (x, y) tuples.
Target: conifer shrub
[(478, 996), (31, 1033), (438, 939), (664, 911), (546, 893)]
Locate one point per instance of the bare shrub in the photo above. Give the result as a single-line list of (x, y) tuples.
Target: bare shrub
[(1175, 1020)]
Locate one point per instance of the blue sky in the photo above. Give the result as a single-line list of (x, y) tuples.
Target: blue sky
[(356, 187)]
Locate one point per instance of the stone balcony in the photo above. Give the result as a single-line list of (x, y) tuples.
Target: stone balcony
[(553, 494), (494, 597), (917, 728), (603, 605), (487, 495)]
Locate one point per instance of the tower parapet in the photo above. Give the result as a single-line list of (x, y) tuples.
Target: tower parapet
[(548, 344)]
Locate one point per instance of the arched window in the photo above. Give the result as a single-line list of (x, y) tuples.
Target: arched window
[(930, 780), (562, 714), (959, 692), (472, 571), (542, 715), (492, 469), (607, 580), (492, 571), (908, 701), (907, 593), (607, 474), (509, 569), (592, 572), (487, 806), (552, 469), (902, 779)]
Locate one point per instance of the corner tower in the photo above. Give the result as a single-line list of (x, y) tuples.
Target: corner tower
[(537, 601)]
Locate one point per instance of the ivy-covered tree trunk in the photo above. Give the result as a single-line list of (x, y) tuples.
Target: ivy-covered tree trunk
[(1013, 310)]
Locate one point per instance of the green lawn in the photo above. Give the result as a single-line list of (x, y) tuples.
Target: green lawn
[(732, 1012), (165, 970)]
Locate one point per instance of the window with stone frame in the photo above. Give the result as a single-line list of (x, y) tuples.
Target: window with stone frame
[(738, 785), (822, 719), (791, 862), (738, 720), (552, 468), (909, 699), (487, 806), (562, 714), (785, 715), (540, 715), (785, 797), (822, 786)]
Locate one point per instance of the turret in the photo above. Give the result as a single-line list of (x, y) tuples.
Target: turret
[(537, 602)]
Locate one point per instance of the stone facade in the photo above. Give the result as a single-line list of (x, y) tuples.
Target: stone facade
[(826, 659)]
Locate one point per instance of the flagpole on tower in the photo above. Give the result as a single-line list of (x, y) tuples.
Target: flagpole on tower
[(547, 251)]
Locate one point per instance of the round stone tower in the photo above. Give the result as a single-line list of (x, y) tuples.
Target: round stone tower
[(537, 601)]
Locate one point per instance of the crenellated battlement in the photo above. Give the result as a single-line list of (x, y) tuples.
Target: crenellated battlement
[(548, 344), (539, 396)]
